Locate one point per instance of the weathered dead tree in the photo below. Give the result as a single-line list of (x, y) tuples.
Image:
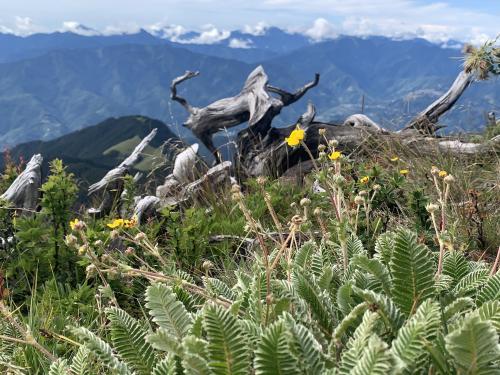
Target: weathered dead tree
[(426, 121), (111, 185), (253, 104), (24, 192)]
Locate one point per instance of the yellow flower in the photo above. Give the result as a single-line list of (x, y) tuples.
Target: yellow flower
[(443, 174), (296, 136), (335, 155), (130, 223), (73, 223), (404, 172), (394, 158), (365, 179), (117, 223)]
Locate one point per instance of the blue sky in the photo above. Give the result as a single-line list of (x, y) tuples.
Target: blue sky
[(473, 20)]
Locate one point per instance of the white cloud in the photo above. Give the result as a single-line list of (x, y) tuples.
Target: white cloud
[(209, 35), (78, 28), (24, 26), (130, 28), (257, 30), (167, 31), (240, 43), (321, 30)]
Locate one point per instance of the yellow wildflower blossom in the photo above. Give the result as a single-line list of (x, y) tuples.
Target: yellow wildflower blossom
[(443, 174), (394, 158), (404, 172), (335, 155), (73, 223), (365, 179), (117, 223), (296, 136), (130, 223)]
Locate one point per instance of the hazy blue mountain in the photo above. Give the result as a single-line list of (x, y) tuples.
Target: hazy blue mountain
[(65, 89), (91, 152)]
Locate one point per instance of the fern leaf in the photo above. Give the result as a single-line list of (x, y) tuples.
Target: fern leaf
[(421, 328), (318, 302), (79, 362), (219, 288), (412, 271), (458, 306), (474, 346), (163, 340), (227, 347), (384, 247), (304, 254), (386, 308), (377, 269), (101, 350), (195, 356), (129, 340), (59, 367), (167, 311), (354, 246), (273, 355), (469, 284), (490, 291), (455, 266), (358, 342), (349, 320), (375, 359), (491, 311), (166, 366)]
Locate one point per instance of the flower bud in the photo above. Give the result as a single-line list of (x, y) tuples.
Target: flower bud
[(98, 243), (333, 143), (431, 208), (261, 180), (79, 225), (359, 200), (140, 237), (297, 220), (129, 251), (235, 188), (322, 155), (322, 131), (317, 211), (321, 148), (82, 250), (363, 193), (449, 179), (114, 234), (376, 187), (70, 240), (305, 202), (435, 170), (90, 270), (207, 265)]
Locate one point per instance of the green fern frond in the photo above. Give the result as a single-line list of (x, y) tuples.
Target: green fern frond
[(129, 340), (470, 283), (306, 348), (384, 247), (167, 311), (227, 346), (163, 340), (412, 270), (375, 359), (358, 342), (354, 246), (101, 350), (455, 266), (490, 290), (166, 366), (303, 255), (460, 305), (491, 311), (474, 347), (318, 302), (218, 288), (377, 269), (195, 356), (345, 299), (443, 284), (420, 329), (350, 319), (385, 307), (273, 355), (59, 367), (80, 361)]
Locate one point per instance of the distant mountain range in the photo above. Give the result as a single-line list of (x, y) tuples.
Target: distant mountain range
[(54, 84), (91, 152)]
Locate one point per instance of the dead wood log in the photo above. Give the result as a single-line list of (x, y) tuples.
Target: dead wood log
[(426, 121), (24, 192), (253, 104), (111, 185)]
